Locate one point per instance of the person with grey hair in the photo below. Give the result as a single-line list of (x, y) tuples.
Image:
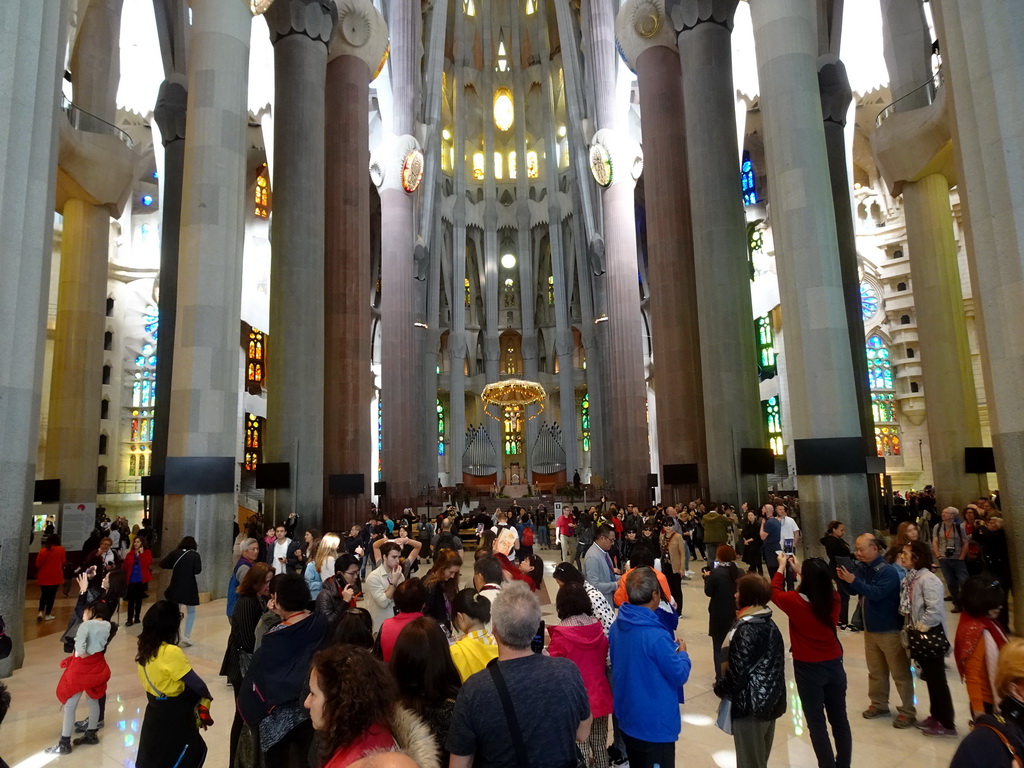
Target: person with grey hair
[(649, 668), (250, 554), (525, 710)]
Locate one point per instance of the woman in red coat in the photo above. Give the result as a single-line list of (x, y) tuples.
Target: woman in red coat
[(136, 568), (49, 574)]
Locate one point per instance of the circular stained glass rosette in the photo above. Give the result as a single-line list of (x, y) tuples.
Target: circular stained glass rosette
[(412, 170), (601, 164), (513, 393)]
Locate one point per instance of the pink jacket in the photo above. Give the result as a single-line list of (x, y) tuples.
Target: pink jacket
[(587, 648)]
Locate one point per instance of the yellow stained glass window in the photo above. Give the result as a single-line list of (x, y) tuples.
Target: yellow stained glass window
[(503, 110), (512, 165), (532, 169), (478, 166), (499, 163)]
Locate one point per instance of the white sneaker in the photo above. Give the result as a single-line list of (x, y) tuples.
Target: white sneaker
[(186, 641), (50, 618)]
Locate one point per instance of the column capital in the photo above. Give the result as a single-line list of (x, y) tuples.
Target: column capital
[(397, 163), (834, 89), (642, 24), (171, 106), (688, 14), (615, 158), (361, 32), (315, 19)]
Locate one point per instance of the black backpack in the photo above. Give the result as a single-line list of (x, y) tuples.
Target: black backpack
[(446, 541)]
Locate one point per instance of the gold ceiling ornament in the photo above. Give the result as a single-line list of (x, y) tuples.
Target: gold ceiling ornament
[(412, 170), (646, 18), (259, 7), (513, 393)]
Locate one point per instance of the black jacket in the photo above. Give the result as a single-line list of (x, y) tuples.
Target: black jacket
[(755, 677), (982, 746), (720, 586), (184, 565)]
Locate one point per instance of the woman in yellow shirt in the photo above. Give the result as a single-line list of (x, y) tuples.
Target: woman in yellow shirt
[(177, 695), (475, 649)]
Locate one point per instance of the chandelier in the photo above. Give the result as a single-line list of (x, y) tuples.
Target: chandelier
[(513, 393)]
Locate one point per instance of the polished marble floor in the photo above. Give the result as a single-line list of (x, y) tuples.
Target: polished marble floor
[(34, 720)]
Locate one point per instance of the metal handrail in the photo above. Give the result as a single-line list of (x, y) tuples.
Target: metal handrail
[(931, 88), (83, 121)]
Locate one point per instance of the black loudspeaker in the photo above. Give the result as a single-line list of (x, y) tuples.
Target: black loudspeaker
[(199, 475), (47, 491), (757, 461), (830, 456), (152, 485), (346, 485), (273, 476), (979, 461), (380, 488), (652, 480), (679, 474)]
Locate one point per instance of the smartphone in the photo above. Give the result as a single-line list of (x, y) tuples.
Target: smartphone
[(788, 546), (845, 562), (537, 644)]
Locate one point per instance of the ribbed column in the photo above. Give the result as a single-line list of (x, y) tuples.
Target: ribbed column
[(300, 31), (205, 382), (31, 63), (821, 385), (948, 376), (675, 326), (348, 381), (731, 401), (988, 99), (169, 113)]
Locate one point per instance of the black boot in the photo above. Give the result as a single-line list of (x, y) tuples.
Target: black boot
[(83, 725), (62, 747), (89, 737)]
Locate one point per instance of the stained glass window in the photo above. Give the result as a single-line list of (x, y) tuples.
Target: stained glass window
[(767, 365), (499, 165), (585, 421), (747, 180), (512, 424), (512, 170), (551, 290), (503, 109), (469, 293), (883, 397), (440, 428), (478, 166), (868, 300), (253, 440), (142, 377), (262, 194), (772, 412), (532, 168), (256, 362), (468, 8)]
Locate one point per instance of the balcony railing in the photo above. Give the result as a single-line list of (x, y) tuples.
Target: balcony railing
[(83, 121), (930, 89)]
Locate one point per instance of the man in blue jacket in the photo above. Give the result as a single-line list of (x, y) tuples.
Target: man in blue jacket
[(878, 583), (649, 668)]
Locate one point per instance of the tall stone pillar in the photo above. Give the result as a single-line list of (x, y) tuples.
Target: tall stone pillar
[(399, 372), (31, 63), (619, 161), (94, 177), (169, 113), (355, 53), (913, 150), (205, 382), (648, 41), (821, 377), (728, 354), (300, 31), (987, 99)]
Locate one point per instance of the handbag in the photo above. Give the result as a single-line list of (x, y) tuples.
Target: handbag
[(930, 644), (724, 719), (513, 721), (857, 620)]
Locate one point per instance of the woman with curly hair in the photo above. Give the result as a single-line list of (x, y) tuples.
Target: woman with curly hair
[(177, 696), (442, 583), (353, 705)]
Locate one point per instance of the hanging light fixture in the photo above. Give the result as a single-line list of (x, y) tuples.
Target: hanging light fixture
[(513, 393)]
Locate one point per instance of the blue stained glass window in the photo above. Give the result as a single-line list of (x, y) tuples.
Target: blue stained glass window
[(772, 412), (868, 300), (883, 397), (748, 181)]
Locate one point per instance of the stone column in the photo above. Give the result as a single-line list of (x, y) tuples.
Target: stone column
[(356, 52), (625, 411), (648, 42), (31, 63), (300, 31), (169, 113), (988, 98), (821, 376), (95, 170), (205, 382), (836, 95), (913, 151), (728, 354)]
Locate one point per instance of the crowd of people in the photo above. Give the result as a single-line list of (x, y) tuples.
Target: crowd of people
[(342, 645)]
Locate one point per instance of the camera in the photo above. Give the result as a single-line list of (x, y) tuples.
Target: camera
[(949, 551)]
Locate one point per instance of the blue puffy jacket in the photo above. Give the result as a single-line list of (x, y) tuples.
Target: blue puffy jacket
[(647, 675)]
